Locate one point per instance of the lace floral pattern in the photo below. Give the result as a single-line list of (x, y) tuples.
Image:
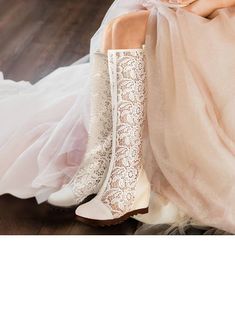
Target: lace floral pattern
[(150, 4), (128, 73), (91, 173)]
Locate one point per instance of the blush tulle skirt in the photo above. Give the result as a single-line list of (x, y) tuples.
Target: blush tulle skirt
[(190, 135), (191, 113)]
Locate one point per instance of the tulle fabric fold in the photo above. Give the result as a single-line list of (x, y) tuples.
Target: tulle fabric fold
[(43, 131), (190, 114)]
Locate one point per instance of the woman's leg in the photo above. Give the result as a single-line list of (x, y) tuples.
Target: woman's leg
[(126, 32), (126, 189)]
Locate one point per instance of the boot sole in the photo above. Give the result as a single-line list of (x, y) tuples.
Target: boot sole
[(104, 223)]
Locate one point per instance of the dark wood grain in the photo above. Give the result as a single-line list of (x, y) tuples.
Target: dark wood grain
[(36, 37)]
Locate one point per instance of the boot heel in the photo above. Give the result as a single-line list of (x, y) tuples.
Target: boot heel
[(142, 192)]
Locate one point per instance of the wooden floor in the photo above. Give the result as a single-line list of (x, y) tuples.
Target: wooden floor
[(36, 37)]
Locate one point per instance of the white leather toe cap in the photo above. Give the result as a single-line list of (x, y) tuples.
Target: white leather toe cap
[(63, 198), (94, 210)]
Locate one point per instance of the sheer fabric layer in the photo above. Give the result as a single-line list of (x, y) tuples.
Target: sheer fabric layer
[(191, 85), (43, 131)]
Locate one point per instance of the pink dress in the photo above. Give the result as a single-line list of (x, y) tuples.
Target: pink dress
[(191, 112)]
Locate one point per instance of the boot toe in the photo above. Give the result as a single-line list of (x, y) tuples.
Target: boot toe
[(94, 210), (63, 198)]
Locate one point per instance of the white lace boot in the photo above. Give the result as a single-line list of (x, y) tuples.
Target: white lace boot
[(92, 171), (126, 190)]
